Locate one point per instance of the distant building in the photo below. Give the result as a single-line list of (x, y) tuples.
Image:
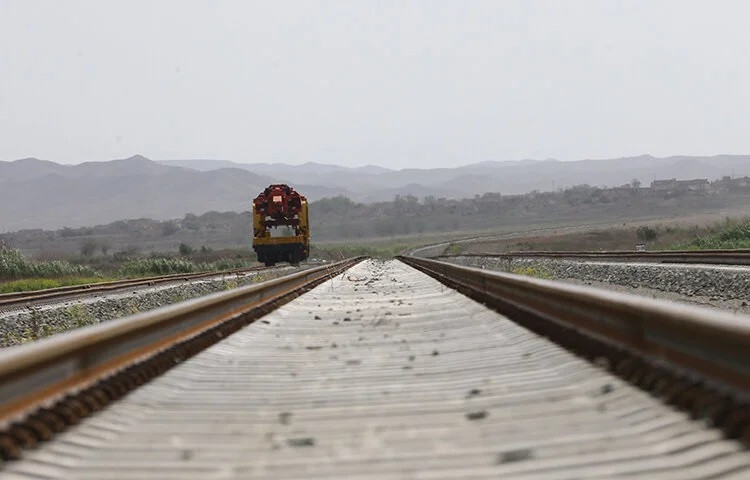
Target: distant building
[(673, 185), (623, 191), (697, 185), (664, 185), (722, 185)]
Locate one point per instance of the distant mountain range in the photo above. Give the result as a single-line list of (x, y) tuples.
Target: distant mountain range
[(41, 194), (373, 183)]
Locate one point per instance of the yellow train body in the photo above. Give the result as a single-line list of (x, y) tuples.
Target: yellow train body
[(272, 245)]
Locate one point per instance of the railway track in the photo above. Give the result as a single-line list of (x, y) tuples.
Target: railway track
[(715, 257), (17, 299), (368, 369)]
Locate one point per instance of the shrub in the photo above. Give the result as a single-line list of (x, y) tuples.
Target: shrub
[(156, 266), (453, 249), (538, 272), (13, 266), (169, 228), (88, 247), (736, 235), (129, 252), (145, 267), (646, 234)]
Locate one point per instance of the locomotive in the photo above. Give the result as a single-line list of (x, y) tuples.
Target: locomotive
[(281, 229)]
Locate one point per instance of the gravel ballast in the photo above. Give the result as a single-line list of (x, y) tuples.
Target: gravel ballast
[(20, 326), (719, 286)]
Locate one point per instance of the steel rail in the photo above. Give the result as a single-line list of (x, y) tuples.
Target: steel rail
[(53, 382), (704, 351), (718, 257), (384, 373), (28, 297)]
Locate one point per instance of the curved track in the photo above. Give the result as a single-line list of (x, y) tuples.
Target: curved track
[(383, 372), (711, 257)]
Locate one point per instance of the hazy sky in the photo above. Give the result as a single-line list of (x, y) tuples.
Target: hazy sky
[(394, 83)]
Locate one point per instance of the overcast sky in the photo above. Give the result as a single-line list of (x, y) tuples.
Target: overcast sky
[(393, 83)]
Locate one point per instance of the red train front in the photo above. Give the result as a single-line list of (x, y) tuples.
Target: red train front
[(279, 205), (281, 228)]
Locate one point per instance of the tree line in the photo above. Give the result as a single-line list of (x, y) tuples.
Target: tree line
[(340, 218)]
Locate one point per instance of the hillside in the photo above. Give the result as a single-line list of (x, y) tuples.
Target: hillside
[(42, 194), (37, 194), (340, 220), (371, 183)]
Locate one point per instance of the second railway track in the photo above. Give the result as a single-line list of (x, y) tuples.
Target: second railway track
[(21, 299), (384, 372), (709, 257)]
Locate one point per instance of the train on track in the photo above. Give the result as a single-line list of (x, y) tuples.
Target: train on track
[(281, 227)]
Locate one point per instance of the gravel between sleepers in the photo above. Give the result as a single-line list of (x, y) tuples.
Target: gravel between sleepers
[(716, 286)]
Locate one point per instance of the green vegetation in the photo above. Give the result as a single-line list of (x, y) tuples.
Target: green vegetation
[(13, 338), (132, 307), (538, 272), (176, 297), (34, 329), (20, 274), (14, 266), (731, 234), (144, 267), (30, 284), (79, 316), (453, 249), (647, 234)]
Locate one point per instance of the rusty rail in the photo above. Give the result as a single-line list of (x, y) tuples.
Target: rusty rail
[(696, 358), (715, 257), (51, 383)]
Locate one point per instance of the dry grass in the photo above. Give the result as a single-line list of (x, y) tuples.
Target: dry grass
[(669, 235)]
